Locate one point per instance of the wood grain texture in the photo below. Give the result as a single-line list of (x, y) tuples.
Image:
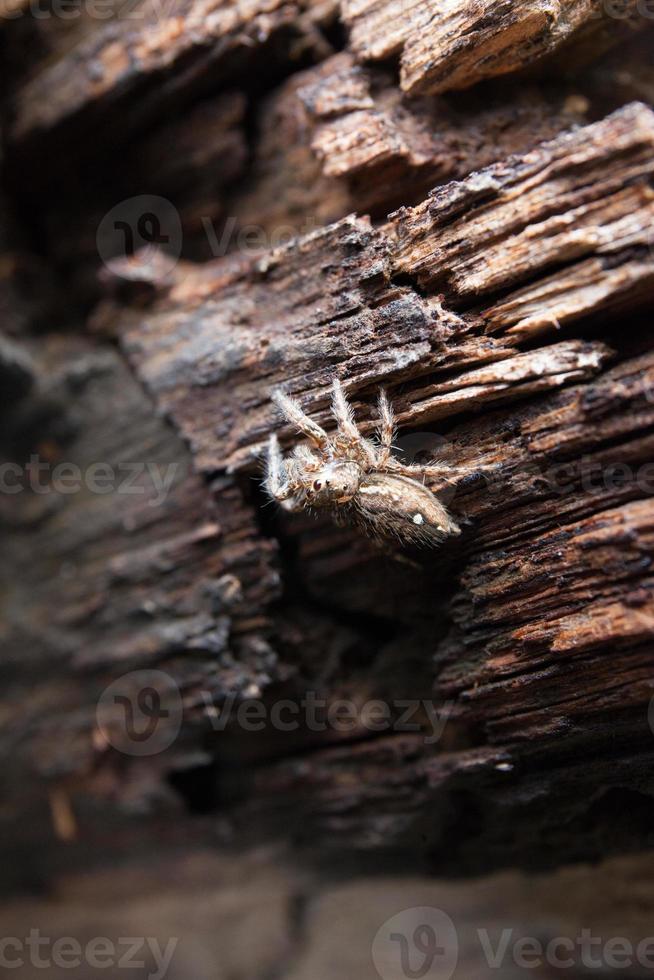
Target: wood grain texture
[(389, 147), (367, 329), (553, 585), (123, 574), (456, 44), (505, 306), (147, 48)]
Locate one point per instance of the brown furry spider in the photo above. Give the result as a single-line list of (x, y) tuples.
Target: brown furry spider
[(357, 481)]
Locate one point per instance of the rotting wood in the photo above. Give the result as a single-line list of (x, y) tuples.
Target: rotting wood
[(367, 329), (386, 145), (134, 51), (586, 193), (533, 629), (456, 44), (555, 585)]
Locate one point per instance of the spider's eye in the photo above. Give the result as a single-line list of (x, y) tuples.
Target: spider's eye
[(317, 485)]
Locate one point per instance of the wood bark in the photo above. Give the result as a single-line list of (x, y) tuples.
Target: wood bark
[(484, 256), (463, 43)]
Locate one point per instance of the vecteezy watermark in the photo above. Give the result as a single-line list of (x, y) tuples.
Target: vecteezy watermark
[(416, 943), (565, 952), (144, 235), (42, 477), (153, 12), (147, 230), (623, 9), (140, 713), (424, 943), (342, 715), (143, 953), (584, 473), (233, 236)]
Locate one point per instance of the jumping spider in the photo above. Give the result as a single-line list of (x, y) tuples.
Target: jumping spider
[(357, 481)]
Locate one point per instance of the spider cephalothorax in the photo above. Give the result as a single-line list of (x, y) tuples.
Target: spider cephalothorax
[(356, 480)]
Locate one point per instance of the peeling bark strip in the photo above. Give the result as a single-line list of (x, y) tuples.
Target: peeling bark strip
[(583, 201), (456, 43), (369, 333), (581, 193)]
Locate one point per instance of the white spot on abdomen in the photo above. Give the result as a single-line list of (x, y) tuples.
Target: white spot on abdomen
[(418, 519)]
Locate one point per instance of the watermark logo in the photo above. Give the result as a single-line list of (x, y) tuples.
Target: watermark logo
[(140, 713), (42, 477), (342, 716), (423, 943), (142, 237), (143, 953), (416, 944), (146, 231)]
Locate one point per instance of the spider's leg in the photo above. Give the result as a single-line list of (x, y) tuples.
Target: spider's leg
[(275, 482), (292, 411), (434, 470), (386, 428), (347, 427), (343, 412)]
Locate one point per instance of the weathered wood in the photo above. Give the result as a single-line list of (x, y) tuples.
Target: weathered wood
[(390, 148), (148, 50), (460, 43), (555, 569), (190, 162), (348, 326), (584, 194), (136, 566), (532, 631), (253, 915), (271, 316)]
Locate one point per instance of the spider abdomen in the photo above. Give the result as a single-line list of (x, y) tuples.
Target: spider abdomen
[(396, 506)]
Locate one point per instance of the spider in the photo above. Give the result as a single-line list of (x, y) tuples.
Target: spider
[(357, 481)]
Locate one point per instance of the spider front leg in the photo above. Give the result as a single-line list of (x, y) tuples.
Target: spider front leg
[(293, 412), (276, 482), (351, 440), (386, 429)]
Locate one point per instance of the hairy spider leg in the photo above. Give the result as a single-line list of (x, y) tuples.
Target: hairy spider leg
[(347, 427), (274, 469), (292, 411), (276, 483), (434, 470), (386, 428)]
